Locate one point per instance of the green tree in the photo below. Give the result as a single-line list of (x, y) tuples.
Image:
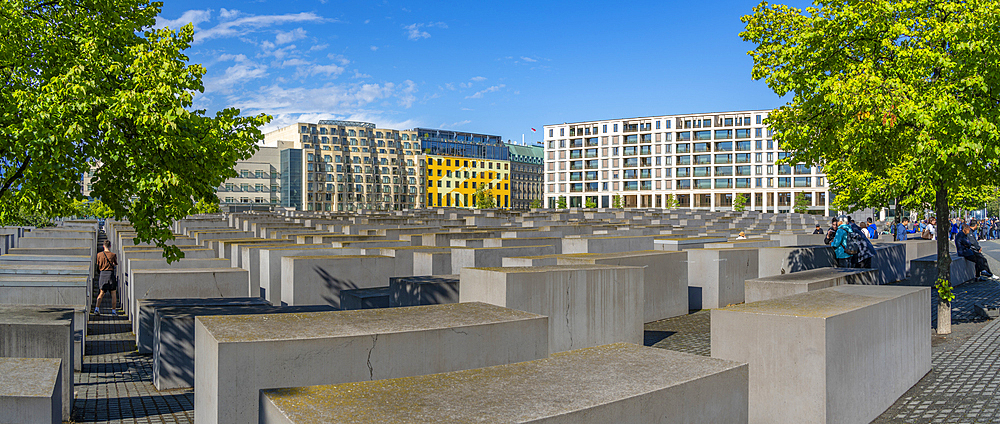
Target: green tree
[(536, 203), (616, 201), (671, 202), (901, 92), (561, 202), (801, 203), (591, 204), (92, 83), (484, 198), (207, 206), (740, 202)]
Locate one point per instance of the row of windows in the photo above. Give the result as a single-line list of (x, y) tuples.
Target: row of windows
[(683, 172), (696, 184), (465, 174), (465, 184), (743, 145), (354, 142), (589, 129), (465, 163), (350, 133), (462, 200)]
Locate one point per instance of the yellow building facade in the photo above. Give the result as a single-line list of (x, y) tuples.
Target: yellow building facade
[(453, 181)]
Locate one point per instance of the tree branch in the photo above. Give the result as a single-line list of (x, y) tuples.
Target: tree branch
[(18, 174)]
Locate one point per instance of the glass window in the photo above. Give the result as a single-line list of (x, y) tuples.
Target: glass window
[(684, 136), (657, 124), (743, 133), (743, 146), (684, 148), (666, 124), (703, 159), (707, 123), (683, 160), (784, 170), (742, 183), (723, 171), (683, 184), (727, 158), (803, 181), (703, 184), (702, 147), (703, 135), (742, 158), (702, 171), (725, 146), (728, 122), (724, 183), (784, 182), (723, 134), (802, 169), (743, 170)]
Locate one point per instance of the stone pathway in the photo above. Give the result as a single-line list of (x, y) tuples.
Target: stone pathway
[(116, 384)]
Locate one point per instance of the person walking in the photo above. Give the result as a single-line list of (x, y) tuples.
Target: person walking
[(106, 263), (967, 247), (932, 227), (902, 231), (844, 258)]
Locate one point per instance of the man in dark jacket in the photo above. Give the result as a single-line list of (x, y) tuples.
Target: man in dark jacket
[(818, 230), (968, 248), (832, 232)]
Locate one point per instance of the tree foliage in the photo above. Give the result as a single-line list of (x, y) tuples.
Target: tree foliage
[(740, 202), (671, 202), (90, 86), (590, 204), (801, 203), (561, 202), (616, 201), (484, 198), (536, 203), (895, 97)]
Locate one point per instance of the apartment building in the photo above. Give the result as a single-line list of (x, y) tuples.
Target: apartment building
[(526, 173), (257, 185), (337, 165), (699, 161), (461, 163)]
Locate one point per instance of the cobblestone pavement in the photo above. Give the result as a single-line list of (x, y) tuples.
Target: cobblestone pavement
[(116, 384)]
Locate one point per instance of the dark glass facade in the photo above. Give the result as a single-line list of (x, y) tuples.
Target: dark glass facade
[(291, 178)]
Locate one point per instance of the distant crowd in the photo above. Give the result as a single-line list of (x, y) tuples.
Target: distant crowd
[(853, 247)]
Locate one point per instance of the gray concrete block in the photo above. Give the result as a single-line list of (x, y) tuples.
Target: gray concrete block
[(30, 390), (593, 385), (607, 244), (775, 286), (716, 276), (540, 260), (678, 244), (318, 280), (373, 298), (890, 262), (787, 240), (587, 305), (432, 263), (423, 290), (923, 271), (782, 260), (838, 355), (195, 282), (144, 323), (34, 332), (173, 337), (270, 265), (292, 350), (665, 278), (490, 257)]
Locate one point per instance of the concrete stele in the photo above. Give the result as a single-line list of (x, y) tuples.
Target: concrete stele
[(30, 390), (237, 356), (587, 305), (592, 385)]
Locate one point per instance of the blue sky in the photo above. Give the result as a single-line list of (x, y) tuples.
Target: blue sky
[(488, 67)]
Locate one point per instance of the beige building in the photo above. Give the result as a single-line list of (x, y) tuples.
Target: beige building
[(348, 165), (256, 187), (701, 161)]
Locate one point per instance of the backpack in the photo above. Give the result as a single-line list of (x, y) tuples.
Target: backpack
[(851, 243), (926, 235)]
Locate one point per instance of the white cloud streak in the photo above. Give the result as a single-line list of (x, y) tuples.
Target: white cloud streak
[(479, 94), (248, 24)]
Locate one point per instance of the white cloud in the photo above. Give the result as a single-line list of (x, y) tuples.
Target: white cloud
[(406, 96), (478, 79), (285, 119), (465, 84), (191, 16), (318, 47), (454, 124), (237, 74), (414, 33), (248, 24), (331, 98), (479, 94), (374, 48), (284, 37), (328, 70), (226, 14), (528, 59), (294, 62), (343, 61), (360, 75), (449, 86), (367, 20)]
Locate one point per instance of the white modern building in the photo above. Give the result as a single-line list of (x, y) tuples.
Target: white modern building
[(701, 161)]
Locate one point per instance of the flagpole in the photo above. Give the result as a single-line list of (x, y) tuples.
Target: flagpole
[(522, 139)]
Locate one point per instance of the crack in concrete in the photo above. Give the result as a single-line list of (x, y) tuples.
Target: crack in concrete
[(569, 328), (371, 371)]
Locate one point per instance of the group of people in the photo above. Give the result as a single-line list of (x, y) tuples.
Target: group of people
[(852, 243)]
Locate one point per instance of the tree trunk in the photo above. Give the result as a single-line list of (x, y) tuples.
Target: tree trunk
[(944, 256)]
